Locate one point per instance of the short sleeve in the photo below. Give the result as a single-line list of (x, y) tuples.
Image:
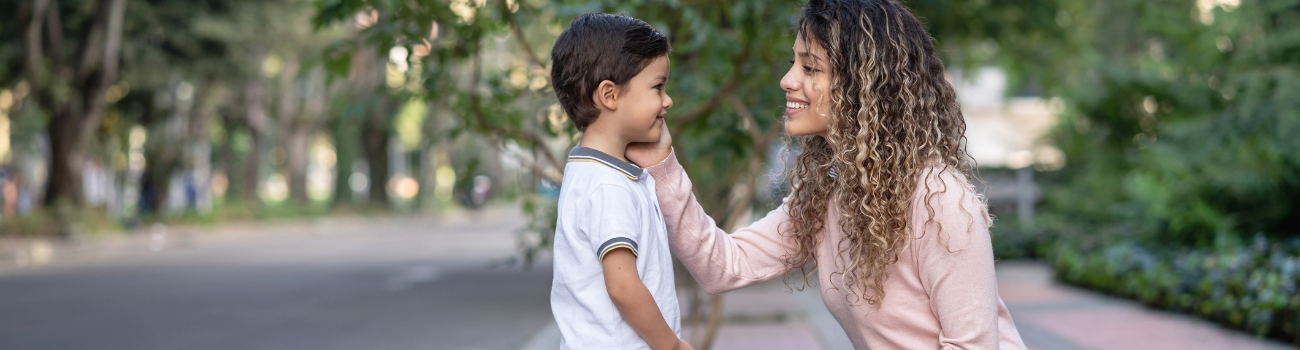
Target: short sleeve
[(612, 219)]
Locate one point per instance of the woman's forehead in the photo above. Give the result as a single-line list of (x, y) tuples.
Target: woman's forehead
[(802, 48)]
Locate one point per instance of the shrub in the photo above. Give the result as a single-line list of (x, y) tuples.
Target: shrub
[(1252, 287)]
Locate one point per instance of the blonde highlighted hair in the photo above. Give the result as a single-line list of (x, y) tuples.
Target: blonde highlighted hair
[(893, 115)]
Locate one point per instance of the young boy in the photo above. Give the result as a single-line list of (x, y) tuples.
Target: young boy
[(613, 286)]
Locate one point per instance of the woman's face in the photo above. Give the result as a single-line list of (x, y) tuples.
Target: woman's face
[(807, 90)]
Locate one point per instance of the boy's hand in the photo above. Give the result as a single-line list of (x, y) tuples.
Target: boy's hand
[(645, 154)]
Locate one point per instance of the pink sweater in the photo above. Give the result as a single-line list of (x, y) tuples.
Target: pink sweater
[(936, 297)]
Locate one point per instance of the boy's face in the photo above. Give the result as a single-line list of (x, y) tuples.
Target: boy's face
[(645, 103)]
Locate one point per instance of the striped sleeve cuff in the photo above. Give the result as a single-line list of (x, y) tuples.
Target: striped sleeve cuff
[(615, 243)]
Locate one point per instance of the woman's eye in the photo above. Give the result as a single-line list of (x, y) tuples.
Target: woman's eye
[(791, 61), (807, 69)]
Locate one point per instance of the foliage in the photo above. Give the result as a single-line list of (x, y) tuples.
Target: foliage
[(726, 61), (1250, 284), (1252, 287), (1182, 133), (1182, 180)]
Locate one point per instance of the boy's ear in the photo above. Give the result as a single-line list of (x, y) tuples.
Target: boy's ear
[(606, 95)]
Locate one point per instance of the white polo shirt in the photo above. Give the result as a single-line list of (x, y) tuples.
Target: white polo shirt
[(606, 203)]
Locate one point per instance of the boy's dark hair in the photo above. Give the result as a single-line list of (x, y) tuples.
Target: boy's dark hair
[(595, 48)]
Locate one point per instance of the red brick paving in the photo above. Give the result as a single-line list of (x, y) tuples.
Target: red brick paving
[(1078, 319), (765, 336)]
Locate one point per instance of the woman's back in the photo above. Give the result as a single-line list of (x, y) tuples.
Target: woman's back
[(942, 290)]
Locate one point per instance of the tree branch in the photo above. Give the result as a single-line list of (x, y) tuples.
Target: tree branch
[(32, 41), (476, 111), (115, 13), (519, 36), (550, 173), (761, 138), (727, 88)]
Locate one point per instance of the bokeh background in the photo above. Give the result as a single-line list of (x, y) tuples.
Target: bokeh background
[(293, 149)]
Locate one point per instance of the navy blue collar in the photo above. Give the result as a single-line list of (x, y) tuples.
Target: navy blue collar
[(583, 154)]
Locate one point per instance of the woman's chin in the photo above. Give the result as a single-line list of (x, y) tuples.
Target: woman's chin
[(794, 130)]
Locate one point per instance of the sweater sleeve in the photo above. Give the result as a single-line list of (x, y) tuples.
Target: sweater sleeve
[(954, 253), (720, 262)]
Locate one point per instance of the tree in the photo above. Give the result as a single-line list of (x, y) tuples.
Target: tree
[(723, 69), (1177, 113), (70, 76)]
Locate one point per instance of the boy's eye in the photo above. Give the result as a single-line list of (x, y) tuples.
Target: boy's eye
[(659, 87)]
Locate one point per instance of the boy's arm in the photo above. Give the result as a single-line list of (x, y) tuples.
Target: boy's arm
[(635, 303)]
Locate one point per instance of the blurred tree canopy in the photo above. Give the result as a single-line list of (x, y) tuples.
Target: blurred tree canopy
[(727, 60), (1180, 120), (488, 63), (182, 83), (1176, 129)]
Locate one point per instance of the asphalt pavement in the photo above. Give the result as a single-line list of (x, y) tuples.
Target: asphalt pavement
[(349, 283)]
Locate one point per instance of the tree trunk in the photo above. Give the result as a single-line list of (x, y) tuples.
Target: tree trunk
[(253, 167), (302, 134), (424, 175), (296, 148), (225, 158), (64, 184), (256, 121), (199, 153), (345, 135), (162, 155), (375, 136), (75, 116), (295, 131)]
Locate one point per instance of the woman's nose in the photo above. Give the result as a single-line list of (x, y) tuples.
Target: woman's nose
[(789, 83)]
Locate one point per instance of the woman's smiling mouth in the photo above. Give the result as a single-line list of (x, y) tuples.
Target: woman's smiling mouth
[(794, 105)]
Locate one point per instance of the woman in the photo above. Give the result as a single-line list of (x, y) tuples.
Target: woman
[(881, 200)]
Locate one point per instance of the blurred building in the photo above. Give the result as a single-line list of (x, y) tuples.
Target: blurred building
[(1007, 137)]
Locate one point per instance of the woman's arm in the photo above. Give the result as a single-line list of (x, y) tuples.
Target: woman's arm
[(720, 262), (956, 264)]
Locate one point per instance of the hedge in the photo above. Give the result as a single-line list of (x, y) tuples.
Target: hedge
[(1252, 286)]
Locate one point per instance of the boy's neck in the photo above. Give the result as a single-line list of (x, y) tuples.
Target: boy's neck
[(607, 144)]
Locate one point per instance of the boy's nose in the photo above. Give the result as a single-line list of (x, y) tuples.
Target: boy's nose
[(668, 101)]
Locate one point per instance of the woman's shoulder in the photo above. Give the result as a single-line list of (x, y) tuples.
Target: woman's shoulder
[(943, 181), (944, 197)]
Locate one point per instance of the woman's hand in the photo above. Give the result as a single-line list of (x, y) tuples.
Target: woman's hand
[(645, 154)]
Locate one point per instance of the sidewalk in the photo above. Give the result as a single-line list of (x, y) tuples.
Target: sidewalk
[(1049, 316), (22, 253)]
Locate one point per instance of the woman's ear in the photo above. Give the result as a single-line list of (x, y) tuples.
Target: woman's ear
[(606, 95)]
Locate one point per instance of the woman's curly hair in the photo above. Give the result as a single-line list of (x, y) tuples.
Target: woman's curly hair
[(893, 115)]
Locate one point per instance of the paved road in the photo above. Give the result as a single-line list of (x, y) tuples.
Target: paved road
[(397, 283), (425, 283)]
